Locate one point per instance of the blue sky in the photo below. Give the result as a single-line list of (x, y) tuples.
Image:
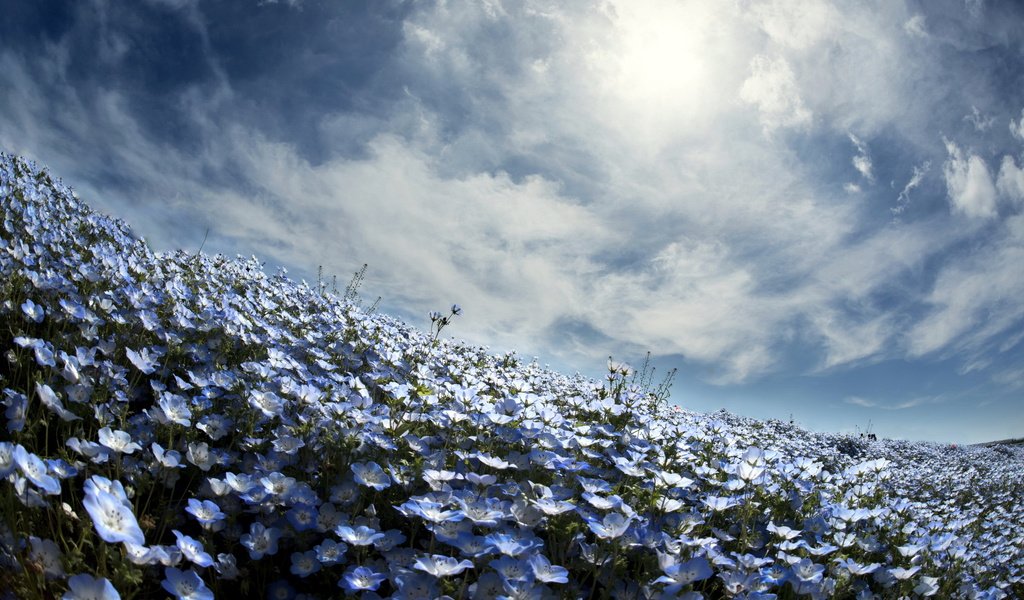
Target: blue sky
[(810, 208)]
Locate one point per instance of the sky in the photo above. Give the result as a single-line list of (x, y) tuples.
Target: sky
[(813, 210)]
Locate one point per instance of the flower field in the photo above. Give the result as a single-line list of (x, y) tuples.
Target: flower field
[(187, 426)]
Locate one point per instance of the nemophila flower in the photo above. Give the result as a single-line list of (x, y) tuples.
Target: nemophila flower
[(601, 503), (287, 444), (413, 585), (371, 474), (435, 512), (206, 512), (268, 403), (111, 512), (720, 503), (16, 411), (33, 311), (169, 459), (546, 572), (185, 585), (139, 555), (7, 464), (239, 482), (807, 570), (226, 566), (35, 470), (900, 573), (855, 568), (927, 586), (476, 479), (117, 441), (492, 461), (305, 564), (392, 538), (175, 409), (511, 568), (86, 587), (550, 506), (144, 360), (260, 540), (612, 526), (485, 512), (678, 574), (441, 566), (472, 545), (192, 549), (512, 543), (218, 487), (278, 484), (329, 552), (215, 425), (360, 535), (43, 352), (358, 579), (47, 555), (302, 517), (199, 455), (51, 401), (328, 517)]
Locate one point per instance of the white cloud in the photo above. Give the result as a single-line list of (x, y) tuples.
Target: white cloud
[(1017, 127), (1010, 181), (862, 161), (975, 299), (903, 200), (913, 402), (847, 341), (915, 26), (969, 184), (772, 88), (859, 401), (796, 24), (980, 122)]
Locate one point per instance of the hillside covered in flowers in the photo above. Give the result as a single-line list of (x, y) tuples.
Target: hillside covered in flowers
[(183, 425)]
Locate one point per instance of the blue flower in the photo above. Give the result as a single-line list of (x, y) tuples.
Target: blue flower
[(35, 470), (169, 459), (175, 409), (33, 311), (51, 401), (546, 572), (371, 474), (679, 574), (357, 579), (47, 554), (7, 464), (185, 585), (260, 540), (441, 566), (361, 535), (612, 526), (302, 517), (305, 564), (192, 549), (143, 360), (111, 512), (118, 441), (86, 587)]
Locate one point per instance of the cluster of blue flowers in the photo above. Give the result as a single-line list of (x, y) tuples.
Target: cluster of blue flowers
[(187, 425)]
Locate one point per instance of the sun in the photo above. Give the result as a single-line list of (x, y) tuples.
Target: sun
[(665, 62)]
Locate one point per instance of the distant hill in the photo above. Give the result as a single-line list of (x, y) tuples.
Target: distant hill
[(1010, 442)]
